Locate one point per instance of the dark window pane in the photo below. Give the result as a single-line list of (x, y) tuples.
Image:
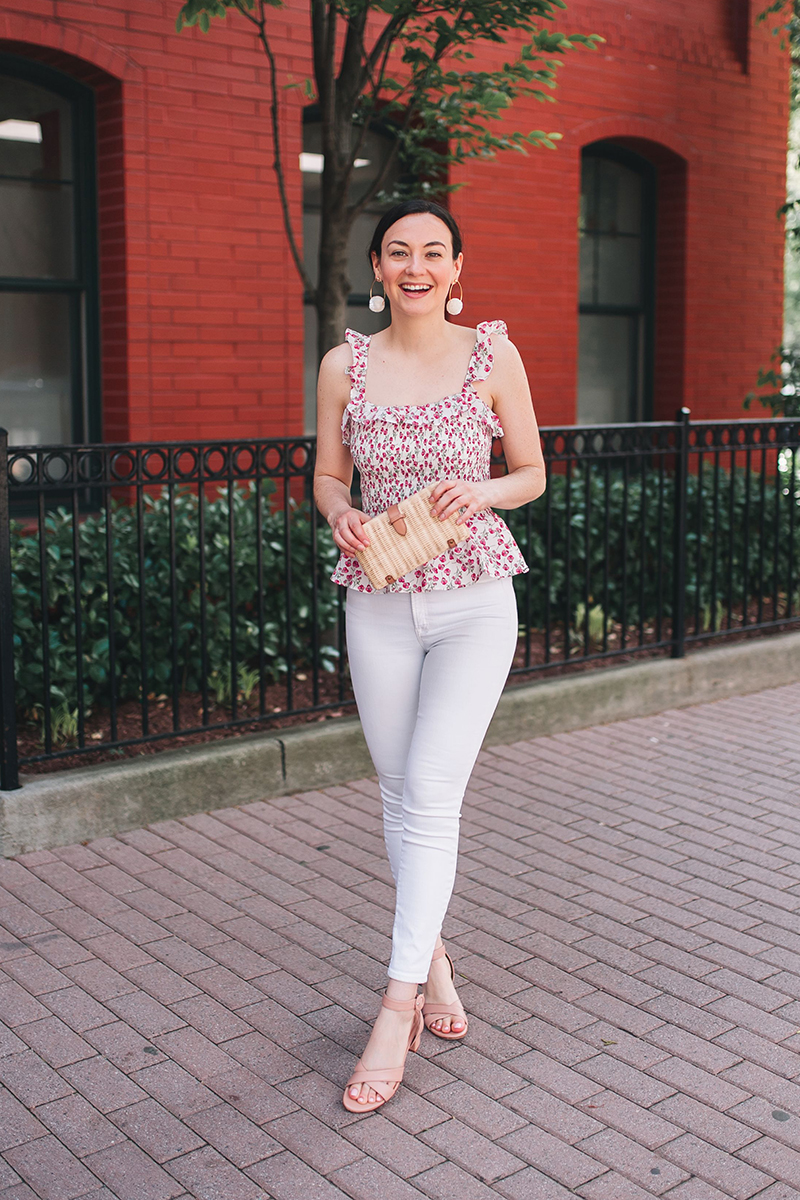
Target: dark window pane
[(619, 270), (588, 214), (612, 250), (359, 271), (606, 368), (587, 247), (37, 239), (370, 161), (35, 131), (617, 199), (35, 367)]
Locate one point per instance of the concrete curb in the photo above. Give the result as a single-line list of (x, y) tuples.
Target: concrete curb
[(73, 806)]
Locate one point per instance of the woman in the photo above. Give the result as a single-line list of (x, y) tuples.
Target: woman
[(429, 654)]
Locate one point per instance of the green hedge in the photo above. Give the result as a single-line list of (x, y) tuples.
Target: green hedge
[(92, 541), (740, 530), (635, 527)]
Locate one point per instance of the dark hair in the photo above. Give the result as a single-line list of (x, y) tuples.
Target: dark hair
[(408, 208)]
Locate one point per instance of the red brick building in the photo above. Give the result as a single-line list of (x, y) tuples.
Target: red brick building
[(146, 290)]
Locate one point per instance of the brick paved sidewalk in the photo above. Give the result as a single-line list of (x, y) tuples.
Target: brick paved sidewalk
[(182, 1005)]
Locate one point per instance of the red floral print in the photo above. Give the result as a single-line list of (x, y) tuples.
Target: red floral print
[(399, 449)]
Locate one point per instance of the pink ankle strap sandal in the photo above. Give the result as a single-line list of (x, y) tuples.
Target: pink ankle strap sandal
[(434, 1012), (385, 1080)]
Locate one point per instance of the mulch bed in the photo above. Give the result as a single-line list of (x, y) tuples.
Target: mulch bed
[(190, 712)]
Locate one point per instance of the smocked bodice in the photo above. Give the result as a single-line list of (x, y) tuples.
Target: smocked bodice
[(399, 449)]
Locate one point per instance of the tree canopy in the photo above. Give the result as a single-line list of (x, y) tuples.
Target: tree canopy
[(415, 68)]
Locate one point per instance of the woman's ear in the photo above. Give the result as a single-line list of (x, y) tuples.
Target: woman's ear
[(376, 265)]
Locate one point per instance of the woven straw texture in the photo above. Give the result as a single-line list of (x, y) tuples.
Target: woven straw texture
[(392, 554)]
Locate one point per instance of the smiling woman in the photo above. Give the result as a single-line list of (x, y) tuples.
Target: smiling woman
[(416, 407)]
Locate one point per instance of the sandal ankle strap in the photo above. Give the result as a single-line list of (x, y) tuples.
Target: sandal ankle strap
[(403, 1005), (438, 952)]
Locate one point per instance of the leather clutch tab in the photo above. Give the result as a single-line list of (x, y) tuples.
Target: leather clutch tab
[(396, 519)]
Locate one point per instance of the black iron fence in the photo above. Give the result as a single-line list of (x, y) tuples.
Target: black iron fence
[(155, 591)]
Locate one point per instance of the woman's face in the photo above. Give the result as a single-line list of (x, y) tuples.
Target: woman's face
[(416, 265)]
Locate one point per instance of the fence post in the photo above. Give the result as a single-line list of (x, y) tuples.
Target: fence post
[(679, 530), (9, 766)]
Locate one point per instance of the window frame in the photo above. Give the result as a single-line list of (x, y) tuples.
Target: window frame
[(83, 289), (641, 367)]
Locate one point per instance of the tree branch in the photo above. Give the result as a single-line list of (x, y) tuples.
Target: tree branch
[(377, 184), (376, 85), (327, 97), (277, 162), (246, 13), (318, 38), (393, 27)]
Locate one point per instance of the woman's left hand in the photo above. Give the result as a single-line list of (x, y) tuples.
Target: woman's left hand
[(450, 495)]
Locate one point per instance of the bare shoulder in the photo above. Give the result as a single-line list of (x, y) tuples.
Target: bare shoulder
[(334, 381), (507, 358), (336, 361), (508, 380)]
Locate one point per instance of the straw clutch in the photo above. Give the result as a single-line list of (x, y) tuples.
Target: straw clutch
[(406, 536)]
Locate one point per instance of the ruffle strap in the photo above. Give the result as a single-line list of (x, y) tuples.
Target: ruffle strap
[(359, 344), (482, 361)]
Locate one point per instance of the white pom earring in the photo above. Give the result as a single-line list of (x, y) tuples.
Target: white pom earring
[(376, 303), (455, 304)]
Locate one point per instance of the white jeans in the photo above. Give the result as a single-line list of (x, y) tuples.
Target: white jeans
[(427, 669)]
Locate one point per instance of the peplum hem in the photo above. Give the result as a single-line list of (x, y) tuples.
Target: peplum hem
[(490, 550)]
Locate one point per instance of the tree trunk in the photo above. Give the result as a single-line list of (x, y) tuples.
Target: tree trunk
[(333, 287)]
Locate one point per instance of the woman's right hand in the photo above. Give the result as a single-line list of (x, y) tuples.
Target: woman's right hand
[(347, 531)]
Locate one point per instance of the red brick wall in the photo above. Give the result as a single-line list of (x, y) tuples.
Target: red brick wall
[(202, 308), (692, 92)]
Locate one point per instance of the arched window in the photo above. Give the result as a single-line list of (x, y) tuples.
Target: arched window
[(617, 255), (377, 146), (48, 262)]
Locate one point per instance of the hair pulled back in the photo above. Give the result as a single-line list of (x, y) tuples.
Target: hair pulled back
[(408, 208)]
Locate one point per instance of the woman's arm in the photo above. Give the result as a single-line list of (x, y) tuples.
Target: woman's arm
[(526, 477), (333, 473)]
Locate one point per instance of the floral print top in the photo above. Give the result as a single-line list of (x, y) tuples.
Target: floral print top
[(399, 449)]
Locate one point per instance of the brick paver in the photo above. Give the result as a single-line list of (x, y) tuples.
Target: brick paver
[(181, 1006)]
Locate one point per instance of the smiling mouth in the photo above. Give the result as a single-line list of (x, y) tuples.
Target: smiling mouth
[(416, 289)]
